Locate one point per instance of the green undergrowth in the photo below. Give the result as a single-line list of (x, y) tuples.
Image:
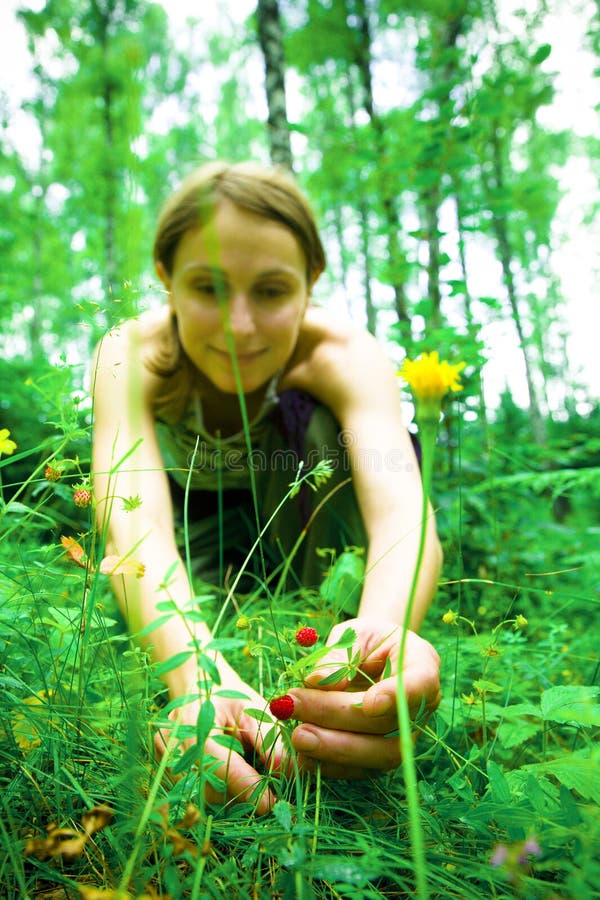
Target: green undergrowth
[(508, 768)]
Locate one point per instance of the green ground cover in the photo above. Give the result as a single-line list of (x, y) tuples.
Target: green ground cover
[(508, 769)]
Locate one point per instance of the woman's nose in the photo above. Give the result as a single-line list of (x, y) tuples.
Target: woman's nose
[(240, 315)]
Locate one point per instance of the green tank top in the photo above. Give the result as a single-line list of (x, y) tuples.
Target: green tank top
[(216, 462)]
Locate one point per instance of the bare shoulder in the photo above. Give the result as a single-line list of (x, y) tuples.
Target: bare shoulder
[(120, 354), (338, 363)]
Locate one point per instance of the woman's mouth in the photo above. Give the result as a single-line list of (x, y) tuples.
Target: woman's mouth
[(243, 357)]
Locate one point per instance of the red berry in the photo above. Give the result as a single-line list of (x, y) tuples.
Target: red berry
[(51, 473), (282, 707), (306, 637), (82, 497)]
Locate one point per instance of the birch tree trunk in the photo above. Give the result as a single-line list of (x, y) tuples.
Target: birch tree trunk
[(396, 254), (501, 234), (270, 38)]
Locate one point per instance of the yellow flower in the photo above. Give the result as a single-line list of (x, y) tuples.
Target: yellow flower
[(431, 378), (450, 617), (469, 699), (520, 621), (6, 445)]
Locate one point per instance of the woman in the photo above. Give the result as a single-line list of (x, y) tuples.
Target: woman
[(238, 253)]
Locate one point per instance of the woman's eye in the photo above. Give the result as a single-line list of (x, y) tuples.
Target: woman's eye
[(210, 289), (272, 292)]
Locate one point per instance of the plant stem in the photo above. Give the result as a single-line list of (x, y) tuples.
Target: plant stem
[(427, 433)]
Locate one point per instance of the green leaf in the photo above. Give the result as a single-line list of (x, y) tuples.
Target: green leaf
[(498, 784), (208, 665), (258, 714), (343, 584), (224, 645), (542, 53), (229, 742), (194, 615), (230, 694), (178, 702), (191, 756), (487, 686), (578, 773), (214, 780), (343, 870), (152, 626), (347, 640), (308, 662), (283, 813), (572, 703), (169, 664), (569, 807), (167, 606), (511, 734), (335, 676)]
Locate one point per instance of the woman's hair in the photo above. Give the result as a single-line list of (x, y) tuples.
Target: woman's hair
[(271, 193)]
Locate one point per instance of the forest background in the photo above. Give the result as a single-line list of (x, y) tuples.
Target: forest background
[(424, 134)]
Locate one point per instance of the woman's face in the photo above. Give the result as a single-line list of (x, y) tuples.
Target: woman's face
[(244, 273)]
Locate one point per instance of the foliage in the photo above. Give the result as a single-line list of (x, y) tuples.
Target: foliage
[(411, 184), (509, 762)]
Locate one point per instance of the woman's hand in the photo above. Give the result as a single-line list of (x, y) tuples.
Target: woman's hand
[(345, 723), (243, 782)]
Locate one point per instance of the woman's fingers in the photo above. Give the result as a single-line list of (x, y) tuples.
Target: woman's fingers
[(421, 679), (342, 711), (378, 654), (364, 664), (242, 781), (343, 754)]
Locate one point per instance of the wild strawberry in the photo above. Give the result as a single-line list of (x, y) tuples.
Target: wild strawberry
[(51, 473), (307, 636), (282, 707), (82, 497)]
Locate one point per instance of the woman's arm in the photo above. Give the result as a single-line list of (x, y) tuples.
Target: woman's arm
[(388, 488), (344, 730), (351, 375), (126, 463)]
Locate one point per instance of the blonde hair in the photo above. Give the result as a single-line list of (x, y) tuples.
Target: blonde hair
[(271, 193)]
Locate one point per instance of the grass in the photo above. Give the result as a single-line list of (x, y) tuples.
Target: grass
[(508, 772)]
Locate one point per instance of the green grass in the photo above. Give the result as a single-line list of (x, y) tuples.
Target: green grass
[(508, 758)]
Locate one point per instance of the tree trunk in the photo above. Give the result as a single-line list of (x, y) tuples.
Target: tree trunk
[(502, 239), (102, 17), (339, 233), (443, 40), (431, 205), (270, 38), (363, 212), (364, 240), (396, 255), (472, 327)]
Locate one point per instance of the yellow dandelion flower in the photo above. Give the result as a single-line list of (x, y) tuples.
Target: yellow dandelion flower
[(7, 446), (430, 378)]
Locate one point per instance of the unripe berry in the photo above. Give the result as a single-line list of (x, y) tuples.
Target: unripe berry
[(82, 497), (51, 473)]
